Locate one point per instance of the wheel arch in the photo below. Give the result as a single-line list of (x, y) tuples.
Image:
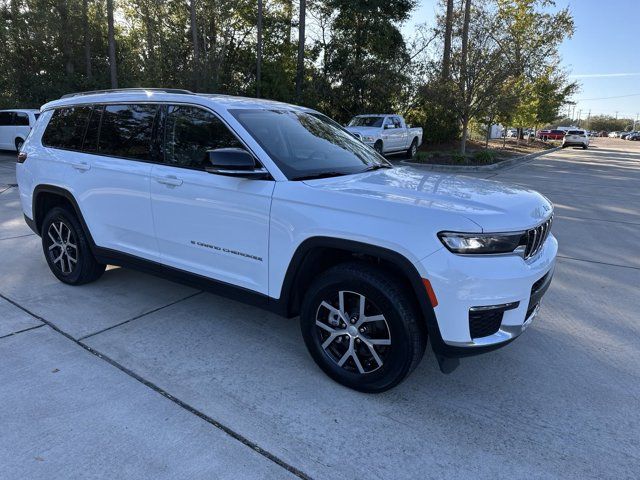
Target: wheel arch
[(317, 254), (45, 197)]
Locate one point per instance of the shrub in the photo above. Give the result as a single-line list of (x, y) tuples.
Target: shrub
[(484, 156)]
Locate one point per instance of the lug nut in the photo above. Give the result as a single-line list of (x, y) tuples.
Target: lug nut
[(357, 340), (362, 329)]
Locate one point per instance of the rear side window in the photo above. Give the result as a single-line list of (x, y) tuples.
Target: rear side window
[(190, 132), (5, 119), (90, 143), (126, 131), (66, 128), (21, 119)]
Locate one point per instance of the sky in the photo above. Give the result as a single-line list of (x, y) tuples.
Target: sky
[(603, 54)]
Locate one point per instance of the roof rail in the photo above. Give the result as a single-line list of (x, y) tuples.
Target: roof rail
[(124, 90)]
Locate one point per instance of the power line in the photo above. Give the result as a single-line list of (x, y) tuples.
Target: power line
[(607, 98)]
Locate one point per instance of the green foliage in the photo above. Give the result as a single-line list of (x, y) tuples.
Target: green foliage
[(484, 157)]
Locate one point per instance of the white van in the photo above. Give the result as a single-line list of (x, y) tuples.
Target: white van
[(15, 125)]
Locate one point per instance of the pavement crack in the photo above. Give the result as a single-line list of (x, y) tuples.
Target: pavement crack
[(599, 263), (138, 316), (220, 426), (21, 331), (18, 236)]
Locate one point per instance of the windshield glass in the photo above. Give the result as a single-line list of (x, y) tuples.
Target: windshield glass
[(305, 144), (366, 122)]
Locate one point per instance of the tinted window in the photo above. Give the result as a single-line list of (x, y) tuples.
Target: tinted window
[(575, 132), (5, 119), (190, 132), (366, 122), (66, 128), (21, 119), (90, 143), (126, 131), (305, 144)]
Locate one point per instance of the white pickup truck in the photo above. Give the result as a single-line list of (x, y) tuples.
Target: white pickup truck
[(388, 134)]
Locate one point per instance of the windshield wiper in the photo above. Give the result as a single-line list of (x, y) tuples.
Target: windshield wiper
[(320, 175), (371, 168)]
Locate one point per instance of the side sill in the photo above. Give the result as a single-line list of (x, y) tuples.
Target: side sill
[(200, 282)]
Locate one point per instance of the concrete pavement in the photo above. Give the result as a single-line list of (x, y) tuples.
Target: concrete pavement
[(137, 376)]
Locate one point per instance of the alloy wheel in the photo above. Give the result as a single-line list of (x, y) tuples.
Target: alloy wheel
[(63, 250), (353, 332)]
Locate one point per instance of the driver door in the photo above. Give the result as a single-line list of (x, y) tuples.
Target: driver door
[(208, 224)]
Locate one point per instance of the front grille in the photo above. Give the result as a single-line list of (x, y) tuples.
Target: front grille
[(536, 237), (484, 322)]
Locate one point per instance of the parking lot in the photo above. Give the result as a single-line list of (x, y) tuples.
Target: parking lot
[(137, 377)]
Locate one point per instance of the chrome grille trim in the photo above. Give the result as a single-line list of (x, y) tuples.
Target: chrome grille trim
[(536, 238)]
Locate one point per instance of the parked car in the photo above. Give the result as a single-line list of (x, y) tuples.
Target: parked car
[(576, 138), (624, 135), (279, 206), (613, 134), (634, 136), (15, 126), (551, 135), (387, 134), (512, 133)]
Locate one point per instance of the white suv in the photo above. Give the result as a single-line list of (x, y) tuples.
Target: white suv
[(15, 126), (280, 206), (578, 138)]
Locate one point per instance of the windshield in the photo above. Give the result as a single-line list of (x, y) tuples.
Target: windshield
[(307, 145), (366, 122)]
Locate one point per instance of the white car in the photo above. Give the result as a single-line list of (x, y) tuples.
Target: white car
[(15, 126), (279, 206), (576, 138), (387, 134)]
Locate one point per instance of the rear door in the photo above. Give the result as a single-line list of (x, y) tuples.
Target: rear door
[(107, 152), (393, 135), (212, 225)]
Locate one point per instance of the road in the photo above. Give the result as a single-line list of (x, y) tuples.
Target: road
[(137, 377)]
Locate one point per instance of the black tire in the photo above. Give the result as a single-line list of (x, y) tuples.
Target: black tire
[(400, 326), (60, 231), (378, 147), (19, 142), (584, 147), (413, 149)]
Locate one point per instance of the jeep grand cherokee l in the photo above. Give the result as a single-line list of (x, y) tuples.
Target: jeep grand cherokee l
[(280, 206)]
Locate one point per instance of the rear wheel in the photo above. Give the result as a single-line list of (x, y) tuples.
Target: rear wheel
[(413, 149), (361, 327), (19, 144), (66, 248)]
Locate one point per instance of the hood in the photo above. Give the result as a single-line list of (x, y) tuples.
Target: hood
[(370, 131), (493, 206)]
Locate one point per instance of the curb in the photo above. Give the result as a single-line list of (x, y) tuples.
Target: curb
[(479, 168)]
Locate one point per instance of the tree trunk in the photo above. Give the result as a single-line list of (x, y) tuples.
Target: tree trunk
[(194, 40), (259, 50), (463, 73), (463, 142), (113, 72), (301, 35), (288, 15), (87, 39), (65, 31), (446, 55), (504, 138), (486, 143)]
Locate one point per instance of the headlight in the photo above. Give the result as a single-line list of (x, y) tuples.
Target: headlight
[(482, 243), (368, 139)]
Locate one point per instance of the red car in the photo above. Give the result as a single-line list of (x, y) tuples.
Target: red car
[(551, 134)]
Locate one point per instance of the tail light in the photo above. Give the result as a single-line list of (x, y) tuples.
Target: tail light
[(22, 157)]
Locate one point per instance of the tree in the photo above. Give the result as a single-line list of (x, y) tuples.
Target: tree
[(259, 50), (300, 62), (113, 72), (446, 52), (87, 40), (194, 41)]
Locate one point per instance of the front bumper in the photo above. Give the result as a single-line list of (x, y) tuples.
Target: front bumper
[(464, 283)]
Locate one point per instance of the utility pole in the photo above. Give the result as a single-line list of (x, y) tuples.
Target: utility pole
[(579, 114), (635, 121), (589, 120)]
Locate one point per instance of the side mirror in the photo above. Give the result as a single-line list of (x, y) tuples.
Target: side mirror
[(388, 127), (234, 162)]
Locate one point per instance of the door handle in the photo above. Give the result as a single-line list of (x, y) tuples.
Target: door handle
[(82, 166), (169, 180)]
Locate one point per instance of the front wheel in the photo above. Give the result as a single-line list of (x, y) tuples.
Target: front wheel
[(378, 147), (362, 328), (66, 248), (19, 144)]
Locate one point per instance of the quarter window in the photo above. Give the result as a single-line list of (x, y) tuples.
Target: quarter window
[(190, 132), (66, 128), (21, 119), (126, 131)]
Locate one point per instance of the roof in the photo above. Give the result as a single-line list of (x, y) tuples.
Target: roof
[(167, 96), (21, 110)]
